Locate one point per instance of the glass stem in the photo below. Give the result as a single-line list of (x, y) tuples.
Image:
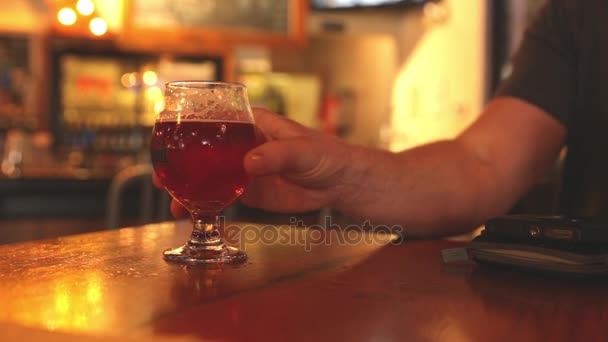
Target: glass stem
[(205, 232)]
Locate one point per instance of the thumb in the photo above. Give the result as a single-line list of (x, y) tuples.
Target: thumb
[(299, 160)]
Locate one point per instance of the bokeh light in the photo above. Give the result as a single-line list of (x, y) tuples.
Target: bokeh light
[(85, 7), (66, 16), (128, 80), (150, 78), (154, 93), (98, 26)]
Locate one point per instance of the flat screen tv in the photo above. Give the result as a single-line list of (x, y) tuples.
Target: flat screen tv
[(362, 4)]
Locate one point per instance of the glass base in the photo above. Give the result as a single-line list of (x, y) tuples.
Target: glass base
[(210, 255)]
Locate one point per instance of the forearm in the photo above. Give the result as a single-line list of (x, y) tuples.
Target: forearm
[(436, 189), (451, 186)]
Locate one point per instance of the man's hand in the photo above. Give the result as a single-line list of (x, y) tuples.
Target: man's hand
[(176, 209), (295, 169)]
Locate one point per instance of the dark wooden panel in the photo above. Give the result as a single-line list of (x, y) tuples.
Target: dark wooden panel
[(264, 15), (212, 25)]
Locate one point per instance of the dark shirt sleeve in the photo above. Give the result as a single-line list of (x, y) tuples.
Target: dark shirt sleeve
[(544, 68)]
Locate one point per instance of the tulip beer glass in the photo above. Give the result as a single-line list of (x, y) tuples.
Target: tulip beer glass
[(198, 144)]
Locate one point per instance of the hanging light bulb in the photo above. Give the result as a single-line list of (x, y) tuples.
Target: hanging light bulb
[(150, 78), (66, 16), (85, 7), (98, 26)]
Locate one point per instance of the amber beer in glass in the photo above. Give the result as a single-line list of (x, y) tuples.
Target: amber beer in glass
[(198, 144)]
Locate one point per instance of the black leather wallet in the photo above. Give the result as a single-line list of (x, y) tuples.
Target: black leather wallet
[(534, 243), (539, 257)]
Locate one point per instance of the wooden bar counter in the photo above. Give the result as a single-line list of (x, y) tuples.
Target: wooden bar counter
[(298, 285)]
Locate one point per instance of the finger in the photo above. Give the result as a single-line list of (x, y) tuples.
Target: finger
[(275, 126), (298, 160), (260, 137), (177, 210), (278, 195), (156, 181), (281, 156)]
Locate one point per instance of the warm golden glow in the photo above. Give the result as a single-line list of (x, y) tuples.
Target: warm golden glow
[(158, 107), (133, 79), (150, 78), (112, 11), (66, 16), (440, 88), (128, 80), (75, 302), (94, 291), (124, 80), (154, 93), (98, 26), (85, 7), (126, 237), (62, 300)]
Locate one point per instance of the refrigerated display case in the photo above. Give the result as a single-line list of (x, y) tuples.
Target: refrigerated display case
[(105, 102), (15, 97)]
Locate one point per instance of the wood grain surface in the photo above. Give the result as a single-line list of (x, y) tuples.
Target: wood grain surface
[(298, 285)]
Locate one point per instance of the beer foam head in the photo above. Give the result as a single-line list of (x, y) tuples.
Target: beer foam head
[(205, 101), (220, 116)]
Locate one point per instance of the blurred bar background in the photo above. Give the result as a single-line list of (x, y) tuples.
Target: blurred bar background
[(81, 82)]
